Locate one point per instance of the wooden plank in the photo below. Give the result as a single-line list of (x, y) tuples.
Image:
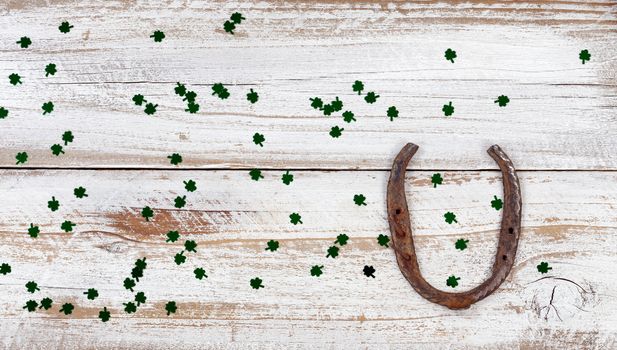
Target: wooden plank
[(561, 114), (568, 220)]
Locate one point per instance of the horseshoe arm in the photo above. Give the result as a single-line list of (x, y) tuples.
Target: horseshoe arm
[(402, 238)]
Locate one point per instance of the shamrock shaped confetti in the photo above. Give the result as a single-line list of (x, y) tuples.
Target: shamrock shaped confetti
[(252, 96), (47, 107), (171, 307), (50, 69), (256, 283), (584, 56), (150, 109), (175, 158), (316, 103), (383, 240), (337, 104), (3, 112), (67, 137), (452, 281), (448, 109), (140, 298), (450, 55), (31, 305), (53, 204), (359, 199), (179, 258), (67, 226), (332, 252), (56, 149), (317, 270), (172, 236), (272, 245), (496, 203), (369, 271), (15, 79), (450, 217), (67, 308), (336, 131), (287, 178), (371, 97), (236, 17), (158, 36), (200, 273), (190, 96), (461, 244), (141, 263), (190, 246), (543, 267), (65, 27), (130, 307), (46, 303), (502, 100), (21, 157), (24, 42), (436, 179), (259, 139), (129, 284), (341, 239), (5, 269), (80, 192), (180, 89), (180, 202), (147, 213), (91, 293), (220, 90), (295, 218), (139, 99), (192, 107), (392, 113), (32, 287), (137, 273), (327, 109), (358, 86), (33, 231), (104, 315), (256, 174), (229, 27), (348, 116), (190, 185)]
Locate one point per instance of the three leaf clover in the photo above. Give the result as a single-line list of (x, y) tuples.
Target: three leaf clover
[(317, 270), (32, 287), (252, 96), (392, 113), (543, 267), (200, 273), (190, 185), (336, 132), (80, 192), (171, 307), (502, 100), (436, 179), (229, 27), (150, 108), (31, 305), (341, 239), (67, 308), (190, 96), (46, 303), (450, 55), (140, 298), (130, 307), (192, 108), (53, 204), (348, 116), (5, 268), (369, 271), (3, 112), (358, 86), (179, 258), (67, 226), (139, 99), (259, 139), (450, 217), (461, 244), (33, 231), (256, 283), (47, 107), (448, 109), (15, 79), (56, 149), (236, 17), (452, 281), (21, 157), (91, 293), (24, 42), (287, 178), (65, 27), (220, 90), (67, 137), (172, 236), (129, 284), (295, 218), (584, 56), (50, 69), (383, 240), (371, 97), (147, 213), (359, 199), (272, 245), (104, 315), (256, 174), (332, 252), (337, 104), (180, 202), (190, 246), (158, 36), (327, 109), (180, 89), (496, 203), (175, 158), (316, 103)]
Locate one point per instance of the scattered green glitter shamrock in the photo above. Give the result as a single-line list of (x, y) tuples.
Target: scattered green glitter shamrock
[(190, 246), (358, 86), (255, 174), (15, 79), (220, 90), (336, 132), (175, 158), (31, 305), (179, 258), (46, 303), (129, 284), (67, 308), (236, 17), (371, 97), (3, 112), (496, 203), (24, 42), (383, 240), (337, 104), (259, 139), (584, 56), (436, 179), (295, 218), (341, 239), (200, 273), (190, 185), (502, 100), (32, 287), (190, 96), (332, 252), (461, 244), (141, 263), (104, 315), (147, 213), (33, 231), (139, 99), (543, 267), (130, 307), (252, 96), (65, 27), (50, 69), (359, 199), (47, 107), (150, 108), (67, 226), (180, 89), (316, 103), (5, 268), (448, 109), (80, 192), (392, 113), (171, 307), (172, 236), (67, 137), (53, 204), (158, 36), (140, 298), (56, 149), (348, 116), (192, 108), (450, 55), (450, 217), (137, 273), (272, 245), (369, 271), (256, 283), (452, 281), (327, 109), (21, 157), (180, 202), (91, 293), (287, 178), (229, 27), (317, 270)]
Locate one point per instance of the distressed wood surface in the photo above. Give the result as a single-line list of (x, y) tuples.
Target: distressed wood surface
[(568, 219), (561, 114)]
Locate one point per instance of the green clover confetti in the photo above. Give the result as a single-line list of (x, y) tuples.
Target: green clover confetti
[(158, 36), (369, 271), (392, 113), (150, 109), (180, 258), (67, 226), (272, 245), (584, 56), (383, 240), (24, 42), (5, 269), (180, 202), (50, 69), (3, 112), (190, 246), (295, 218), (317, 270), (450, 217), (192, 108), (332, 252), (129, 284), (91, 293), (175, 158), (147, 213), (220, 90), (341, 239), (15, 79), (256, 283), (448, 109), (139, 99), (80, 192), (46, 303), (371, 97), (32, 287), (436, 179), (33, 231), (104, 315), (496, 203), (190, 185), (316, 103), (236, 17), (348, 116), (21, 157), (140, 298), (336, 132), (252, 96), (56, 149), (461, 244), (53, 204), (327, 109), (337, 104), (130, 307), (502, 100), (172, 236), (259, 139), (47, 107), (287, 178), (67, 308), (200, 273), (256, 174), (31, 305), (359, 199), (67, 137), (543, 267), (358, 86), (229, 27), (450, 55), (171, 307), (452, 281), (65, 27)]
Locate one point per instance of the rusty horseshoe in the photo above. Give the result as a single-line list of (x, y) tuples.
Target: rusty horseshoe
[(402, 239)]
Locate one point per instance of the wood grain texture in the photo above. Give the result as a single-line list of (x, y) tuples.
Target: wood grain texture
[(568, 219), (561, 114)]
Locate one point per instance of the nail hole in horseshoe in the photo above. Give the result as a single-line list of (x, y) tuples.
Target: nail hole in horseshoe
[(398, 211), (510, 230), (504, 257)]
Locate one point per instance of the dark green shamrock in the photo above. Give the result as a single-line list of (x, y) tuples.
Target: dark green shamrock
[(67, 137), (341, 239), (80, 192), (190, 96), (327, 109), (179, 258), (47, 107), (147, 213), (24, 42), (348, 116), (369, 271), (67, 308), (496, 203), (140, 298), (15, 79), (172, 236), (336, 132), (584, 56), (337, 104), (200, 273), (256, 283), (33, 231), (5, 268), (317, 270), (220, 90), (272, 245), (295, 218), (53, 204), (67, 226), (171, 307), (180, 202), (3, 112), (190, 185), (129, 284), (543, 267), (104, 315), (91, 293), (448, 109), (252, 96), (56, 149), (139, 99), (461, 244), (21, 157), (236, 17), (358, 86), (137, 273), (141, 263), (371, 97), (192, 107), (158, 36), (452, 281), (175, 158), (229, 27), (316, 103), (150, 108), (50, 69), (255, 174), (359, 199), (46, 303), (332, 252), (130, 307), (450, 217), (287, 178), (392, 113), (32, 287), (180, 89), (259, 139), (31, 305), (383, 240), (436, 179), (65, 27), (502, 100), (450, 55), (190, 246)]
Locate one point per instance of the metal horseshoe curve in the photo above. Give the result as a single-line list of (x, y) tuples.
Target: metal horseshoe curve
[(402, 239)]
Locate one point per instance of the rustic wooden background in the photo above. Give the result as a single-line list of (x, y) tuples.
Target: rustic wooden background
[(560, 129)]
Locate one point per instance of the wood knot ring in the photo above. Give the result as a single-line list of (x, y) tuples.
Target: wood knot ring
[(402, 238)]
